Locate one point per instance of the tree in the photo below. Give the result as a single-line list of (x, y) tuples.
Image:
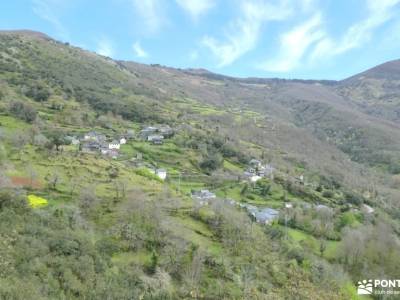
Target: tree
[(52, 180), (19, 141), (23, 111), (74, 183), (4, 180), (244, 190), (211, 162), (32, 175), (87, 199), (264, 187), (56, 139), (322, 247), (112, 172), (3, 154), (328, 194), (120, 189), (152, 266), (353, 198), (37, 91), (194, 270), (40, 140)]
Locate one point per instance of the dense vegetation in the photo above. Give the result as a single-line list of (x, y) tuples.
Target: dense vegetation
[(110, 229)]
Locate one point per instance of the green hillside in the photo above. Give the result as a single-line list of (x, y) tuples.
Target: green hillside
[(79, 224)]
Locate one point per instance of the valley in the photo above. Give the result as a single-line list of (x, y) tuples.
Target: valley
[(85, 215)]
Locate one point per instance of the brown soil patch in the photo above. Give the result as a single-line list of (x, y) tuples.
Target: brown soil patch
[(24, 181)]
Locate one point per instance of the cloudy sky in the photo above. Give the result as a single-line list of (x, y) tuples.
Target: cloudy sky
[(329, 39)]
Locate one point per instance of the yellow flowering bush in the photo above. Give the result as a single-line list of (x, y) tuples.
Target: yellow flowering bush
[(36, 201)]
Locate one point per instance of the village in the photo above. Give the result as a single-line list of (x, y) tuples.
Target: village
[(94, 142)]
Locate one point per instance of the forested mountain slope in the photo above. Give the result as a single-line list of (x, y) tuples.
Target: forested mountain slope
[(78, 224)]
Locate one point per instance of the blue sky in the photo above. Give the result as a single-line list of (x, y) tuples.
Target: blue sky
[(330, 39)]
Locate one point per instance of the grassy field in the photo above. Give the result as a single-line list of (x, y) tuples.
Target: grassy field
[(306, 239)]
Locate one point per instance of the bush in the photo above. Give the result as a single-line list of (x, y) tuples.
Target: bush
[(23, 111), (146, 173), (297, 253), (328, 194), (151, 266), (211, 162), (56, 138), (346, 219), (394, 168), (37, 92), (107, 246), (353, 198), (36, 201), (9, 200)]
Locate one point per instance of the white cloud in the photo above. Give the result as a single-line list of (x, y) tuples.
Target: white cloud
[(139, 51), (310, 42), (105, 47), (294, 44), (151, 12), (196, 8), (307, 5), (47, 10), (194, 55), (379, 12), (243, 34)]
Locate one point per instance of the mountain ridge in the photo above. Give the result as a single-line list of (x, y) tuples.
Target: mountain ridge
[(385, 67)]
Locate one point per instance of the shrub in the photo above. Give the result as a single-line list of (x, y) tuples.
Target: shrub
[(23, 111), (353, 198), (8, 199), (297, 253), (146, 173), (394, 168), (35, 201), (56, 138), (37, 92), (328, 194), (107, 246), (211, 162), (346, 219)]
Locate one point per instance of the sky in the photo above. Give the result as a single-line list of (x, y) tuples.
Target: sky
[(307, 39)]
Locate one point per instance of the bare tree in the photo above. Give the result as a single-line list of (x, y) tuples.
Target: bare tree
[(194, 272), (87, 199), (4, 180), (74, 183), (32, 174), (53, 179), (19, 141)]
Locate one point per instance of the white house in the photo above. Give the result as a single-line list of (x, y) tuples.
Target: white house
[(255, 178), (122, 141), (161, 173), (114, 145)]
